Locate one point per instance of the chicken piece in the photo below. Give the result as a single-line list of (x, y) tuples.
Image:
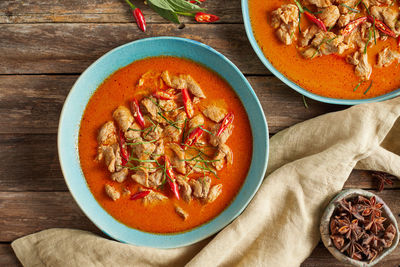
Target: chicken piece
[(193, 86), (196, 100), (319, 3), (343, 9), (215, 113), (173, 132), (370, 3), (184, 188), (329, 43), (155, 179), (310, 53), (387, 57), (112, 192), (363, 68), (183, 214), (308, 35), (200, 187), (329, 15), (223, 152), (223, 137), (285, 19), (133, 131), (167, 105), (178, 82), (153, 197), (215, 191), (345, 19), (150, 107), (123, 117), (120, 176), (178, 161), (385, 14), (112, 158), (159, 151), (196, 121), (141, 177), (107, 134), (166, 78), (153, 133), (143, 149)]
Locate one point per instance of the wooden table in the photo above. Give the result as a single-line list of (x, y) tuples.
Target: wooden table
[(45, 45)]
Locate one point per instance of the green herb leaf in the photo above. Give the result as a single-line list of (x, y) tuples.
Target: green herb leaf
[(164, 10), (369, 87), (351, 9), (299, 6), (358, 85), (183, 6)]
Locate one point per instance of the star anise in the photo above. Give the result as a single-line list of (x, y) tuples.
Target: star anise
[(371, 206), (350, 229), (352, 209), (338, 241), (353, 249), (383, 178), (375, 224), (373, 241), (389, 235), (371, 254)]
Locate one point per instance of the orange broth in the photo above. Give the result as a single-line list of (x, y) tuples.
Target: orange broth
[(329, 76), (117, 90)]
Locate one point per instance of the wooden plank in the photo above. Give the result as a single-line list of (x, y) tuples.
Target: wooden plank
[(32, 103), (7, 256), (117, 11), (322, 257), (71, 48)]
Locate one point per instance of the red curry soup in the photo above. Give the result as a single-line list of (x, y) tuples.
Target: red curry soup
[(165, 144), (334, 48)]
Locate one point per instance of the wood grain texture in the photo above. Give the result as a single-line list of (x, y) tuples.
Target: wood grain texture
[(71, 48), (7, 256), (110, 11), (31, 104)]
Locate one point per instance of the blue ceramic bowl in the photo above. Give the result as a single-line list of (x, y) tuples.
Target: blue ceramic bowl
[(264, 60), (86, 85)]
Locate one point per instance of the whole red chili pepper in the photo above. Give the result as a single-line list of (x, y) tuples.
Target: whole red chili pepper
[(171, 177), (164, 95), (122, 148), (382, 26), (187, 102), (226, 122), (140, 194), (195, 2), (193, 137), (137, 114), (315, 20), (137, 13), (204, 17), (352, 25), (398, 41)]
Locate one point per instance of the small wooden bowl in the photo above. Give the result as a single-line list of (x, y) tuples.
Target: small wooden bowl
[(325, 229)]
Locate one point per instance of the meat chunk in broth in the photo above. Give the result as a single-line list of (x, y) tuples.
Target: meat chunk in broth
[(107, 134), (178, 160), (387, 57), (143, 149), (153, 133), (329, 15), (184, 188), (112, 192), (141, 177), (214, 193), (133, 131), (120, 176), (159, 151), (150, 107), (215, 113), (224, 152), (155, 179), (308, 35), (285, 20), (153, 197), (167, 105), (123, 117), (166, 78), (319, 3), (223, 137), (183, 214), (196, 121), (192, 86), (112, 158), (200, 186), (363, 68), (173, 132)]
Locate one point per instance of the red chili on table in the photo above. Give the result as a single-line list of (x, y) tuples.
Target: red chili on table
[(171, 177), (382, 26), (226, 122), (140, 195), (194, 2), (352, 25), (204, 17), (193, 137), (137, 114), (315, 20), (187, 102), (122, 148), (137, 13)]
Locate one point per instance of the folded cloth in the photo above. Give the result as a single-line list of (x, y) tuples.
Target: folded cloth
[(309, 164)]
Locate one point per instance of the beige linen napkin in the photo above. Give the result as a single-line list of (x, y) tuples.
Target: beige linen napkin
[(309, 163)]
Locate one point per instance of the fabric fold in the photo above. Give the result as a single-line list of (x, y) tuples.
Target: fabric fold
[(309, 164)]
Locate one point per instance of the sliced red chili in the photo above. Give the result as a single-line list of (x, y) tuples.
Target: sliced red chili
[(382, 26), (137, 13), (137, 114), (315, 20), (164, 95), (187, 103), (352, 25), (398, 41), (204, 17), (226, 122), (171, 177), (193, 137), (123, 149), (140, 195)]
